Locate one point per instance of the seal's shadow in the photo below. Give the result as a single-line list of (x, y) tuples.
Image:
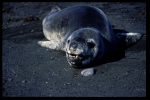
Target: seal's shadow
[(113, 57)]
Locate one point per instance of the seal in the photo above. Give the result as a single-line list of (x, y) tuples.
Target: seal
[(84, 33)]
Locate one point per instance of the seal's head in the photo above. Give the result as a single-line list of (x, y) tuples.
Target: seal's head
[(83, 47)]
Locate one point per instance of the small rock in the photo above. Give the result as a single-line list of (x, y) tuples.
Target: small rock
[(32, 31), (87, 72), (46, 82), (23, 81), (52, 58), (75, 74), (68, 83), (10, 79)]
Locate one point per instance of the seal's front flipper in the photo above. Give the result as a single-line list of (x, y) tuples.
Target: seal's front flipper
[(129, 38), (49, 44)]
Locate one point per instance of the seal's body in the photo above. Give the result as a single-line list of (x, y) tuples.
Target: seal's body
[(84, 33)]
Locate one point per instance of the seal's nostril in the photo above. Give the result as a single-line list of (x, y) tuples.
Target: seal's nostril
[(74, 45), (68, 41)]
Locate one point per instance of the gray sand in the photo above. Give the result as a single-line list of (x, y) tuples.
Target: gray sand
[(29, 70)]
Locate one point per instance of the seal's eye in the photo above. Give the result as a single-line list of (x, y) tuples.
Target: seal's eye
[(91, 44)]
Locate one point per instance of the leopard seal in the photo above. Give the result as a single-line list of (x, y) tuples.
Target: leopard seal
[(84, 33)]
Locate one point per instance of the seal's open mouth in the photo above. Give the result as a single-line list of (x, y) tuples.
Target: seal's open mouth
[(77, 59)]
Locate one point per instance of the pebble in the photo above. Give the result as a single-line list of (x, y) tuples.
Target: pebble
[(46, 82), (10, 79), (52, 58), (32, 31), (23, 81), (87, 72)]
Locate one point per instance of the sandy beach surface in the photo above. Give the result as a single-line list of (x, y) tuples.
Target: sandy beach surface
[(29, 70)]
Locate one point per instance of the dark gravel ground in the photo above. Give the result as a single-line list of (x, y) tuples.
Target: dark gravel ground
[(29, 70)]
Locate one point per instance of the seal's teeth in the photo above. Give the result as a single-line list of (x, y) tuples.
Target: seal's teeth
[(69, 55), (76, 56)]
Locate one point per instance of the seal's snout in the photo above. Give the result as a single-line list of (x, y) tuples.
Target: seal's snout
[(78, 53)]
